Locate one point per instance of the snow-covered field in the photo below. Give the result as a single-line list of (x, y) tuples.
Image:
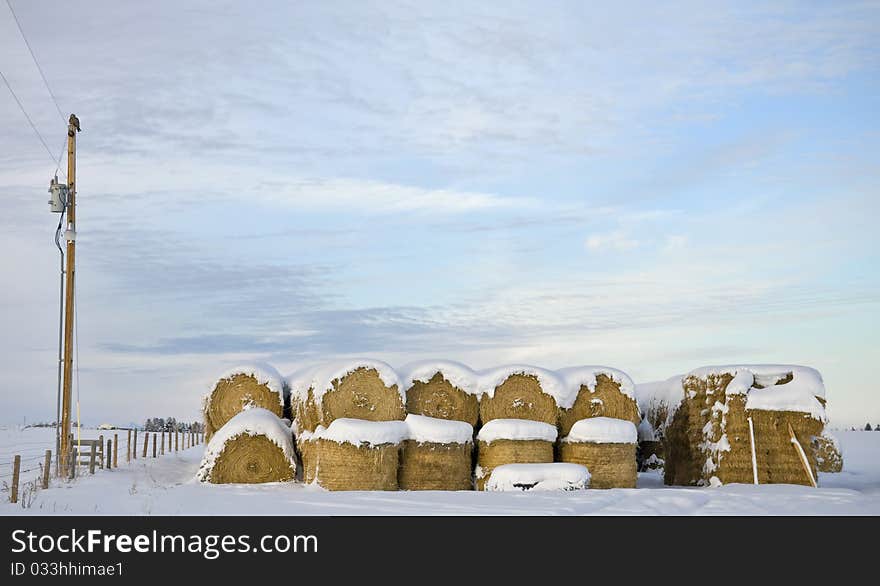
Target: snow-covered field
[(167, 486)]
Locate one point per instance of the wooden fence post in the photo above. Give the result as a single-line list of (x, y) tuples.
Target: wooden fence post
[(146, 442), (101, 443), (154, 444), (115, 450), (176, 438), (13, 493), (134, 446), (91, 458), (72, 466), (162, 450), (128, 448), (110, 446), (46, 464)]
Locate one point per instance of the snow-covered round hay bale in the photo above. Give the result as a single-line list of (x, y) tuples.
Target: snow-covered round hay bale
[(437, 454), (598, 391), (257, 385), (607, 447), (512, 441), (827, 452), (521, 392), (353, 454), (538, 477), (441, 389), (254, 446), (709, 440), (349, 389)]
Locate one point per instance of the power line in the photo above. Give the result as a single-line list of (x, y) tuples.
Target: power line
[(34, 57), (31, 122)]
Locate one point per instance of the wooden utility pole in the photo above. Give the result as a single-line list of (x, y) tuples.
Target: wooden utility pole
[(70, 234)]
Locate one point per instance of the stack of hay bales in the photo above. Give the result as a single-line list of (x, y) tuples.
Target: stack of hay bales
[(353, 454), (538, 477), (512, 441), (254, 446), (257, 385), (442, 389), (829, 458), (348, 419), (709, 439), (437, 454), (597, 391), (607, 447), (658, 402), (521, 392)]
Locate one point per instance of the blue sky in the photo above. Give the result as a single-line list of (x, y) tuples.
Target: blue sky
[(654, 188)]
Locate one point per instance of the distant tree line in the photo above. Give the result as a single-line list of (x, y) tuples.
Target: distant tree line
[(171, 424)]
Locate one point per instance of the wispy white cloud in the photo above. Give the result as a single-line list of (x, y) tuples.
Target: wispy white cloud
[(617, 241)]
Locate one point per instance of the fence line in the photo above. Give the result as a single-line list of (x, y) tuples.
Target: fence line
[(108, 452)]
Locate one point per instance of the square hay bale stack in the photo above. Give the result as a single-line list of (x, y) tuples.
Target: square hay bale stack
[(521, 392), (538, 477), (255, 446), (245, 385), (442, 389), (512, 441), (709, 440), (353, 454), (597, 391), (606, 447), (363, 389), (437, 454)]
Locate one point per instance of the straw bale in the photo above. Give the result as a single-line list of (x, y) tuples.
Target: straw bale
[(250, 459), (504, 451), (344, 466), (440, 399), (308, 454), (610, 465), (519, 397), (360, 394), (607, 400), (436, 466), (829, 459), (232, 394)]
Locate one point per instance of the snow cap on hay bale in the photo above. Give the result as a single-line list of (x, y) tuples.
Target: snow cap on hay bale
[(254, 446), (709, 440), (827, 452), (437, 454), (597, 391), (538, 477), (353, 454), (441, 389), (256, 384), (347, 389), (607, 447), (512, 441), (520, 391)]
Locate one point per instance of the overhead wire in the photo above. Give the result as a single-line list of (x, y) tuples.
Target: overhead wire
[(56, 160), (34, 57)]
